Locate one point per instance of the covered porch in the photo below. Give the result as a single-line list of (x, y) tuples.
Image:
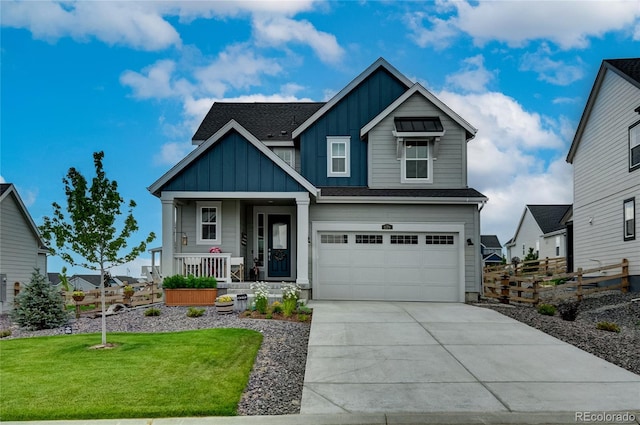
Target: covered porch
[(224, 234)]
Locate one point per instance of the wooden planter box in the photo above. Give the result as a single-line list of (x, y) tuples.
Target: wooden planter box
[(190, 297)]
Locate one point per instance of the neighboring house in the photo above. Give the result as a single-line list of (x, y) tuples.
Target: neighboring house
[(541, 228), (89, 282), (491, 250), (363, 197), (22, 249), (605, 155)]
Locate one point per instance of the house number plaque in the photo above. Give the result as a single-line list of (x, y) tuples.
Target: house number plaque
[(387, 227)]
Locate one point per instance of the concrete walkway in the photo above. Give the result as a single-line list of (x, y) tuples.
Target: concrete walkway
[(379, 357)]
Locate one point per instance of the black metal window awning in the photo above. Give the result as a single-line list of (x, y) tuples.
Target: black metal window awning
[(418, 125)]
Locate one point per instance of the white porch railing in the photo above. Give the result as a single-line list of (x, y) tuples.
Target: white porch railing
[(198, 265)]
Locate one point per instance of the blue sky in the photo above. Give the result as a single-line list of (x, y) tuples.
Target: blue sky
[(135, 79)]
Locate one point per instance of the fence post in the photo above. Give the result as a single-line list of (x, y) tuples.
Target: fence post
[(579, 289), (625, 276), (504, 291), (546, 266), (536, 295)]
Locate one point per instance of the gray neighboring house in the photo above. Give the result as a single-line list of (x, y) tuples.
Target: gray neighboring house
[(541, 228), (364, 197), (22, 248), (605, 154), (89, 282)]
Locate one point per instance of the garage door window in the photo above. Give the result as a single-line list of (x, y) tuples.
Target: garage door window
[(369, 239), (404, 239), (439, 240), (333, 239)]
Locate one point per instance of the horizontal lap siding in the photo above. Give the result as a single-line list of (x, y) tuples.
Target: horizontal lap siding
[(233, 165), (602, 180), (385, 168), (18, 248), (423, 214), (230, 227)]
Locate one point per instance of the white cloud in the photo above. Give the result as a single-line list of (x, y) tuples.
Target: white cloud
[(565, 100), (2, 180), (554, 72), (504, 158), (568, 24), (154, 82), (134, 24), (473, 77), (171, 153), (280, 30)]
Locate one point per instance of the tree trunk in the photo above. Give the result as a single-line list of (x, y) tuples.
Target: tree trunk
[(102, 301)]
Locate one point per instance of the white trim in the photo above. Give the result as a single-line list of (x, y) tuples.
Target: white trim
[(403, 165), (339, 140), (456, 228), (396, 200), (279, 144), (170, 196), (218, 223), (231, 125), (381, 62), (417, 88)]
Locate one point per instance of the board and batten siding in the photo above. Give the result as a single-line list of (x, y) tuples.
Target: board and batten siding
[(19, 250), (346, 118), (422, 214), (233, 164), (602, 180), (385, 168)]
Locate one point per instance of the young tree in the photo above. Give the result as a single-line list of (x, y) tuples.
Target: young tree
[(91, 232)]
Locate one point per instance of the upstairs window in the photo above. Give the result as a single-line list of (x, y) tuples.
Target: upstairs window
[(208, 231), (634, 146), (338, 161), (630, 219), (416, 162), (287, 155)]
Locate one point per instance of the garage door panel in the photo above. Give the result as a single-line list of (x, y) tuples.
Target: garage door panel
[(409, 269)]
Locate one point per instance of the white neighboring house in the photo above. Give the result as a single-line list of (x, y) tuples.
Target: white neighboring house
[(605, 155), (540, 228), (22, 248)]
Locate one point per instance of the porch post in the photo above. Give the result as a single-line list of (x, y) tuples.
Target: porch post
[(168, 219), (302, 277)]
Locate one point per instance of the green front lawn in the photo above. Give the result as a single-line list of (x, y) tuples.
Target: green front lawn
[(194, 373)]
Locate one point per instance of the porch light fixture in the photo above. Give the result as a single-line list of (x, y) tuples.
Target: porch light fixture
[(184, 238), (469, 242)]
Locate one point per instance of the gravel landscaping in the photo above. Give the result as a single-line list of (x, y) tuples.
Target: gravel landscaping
[(275, 383), (622, 349)]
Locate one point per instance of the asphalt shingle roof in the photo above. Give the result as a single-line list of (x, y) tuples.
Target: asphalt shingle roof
[(629, 66), (266, 121), (4, 187), (549, 217), (490, 241), (410, 193)]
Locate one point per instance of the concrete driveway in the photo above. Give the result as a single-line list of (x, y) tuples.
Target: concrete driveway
[(397, 357)]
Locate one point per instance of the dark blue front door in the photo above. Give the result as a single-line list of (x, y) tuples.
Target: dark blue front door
[(279, 249)]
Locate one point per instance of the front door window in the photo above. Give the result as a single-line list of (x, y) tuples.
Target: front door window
[(279, 252)]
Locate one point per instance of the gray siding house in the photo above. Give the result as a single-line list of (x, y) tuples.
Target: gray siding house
[(605, 155), (21, 246), (364, 197), (540, 227)]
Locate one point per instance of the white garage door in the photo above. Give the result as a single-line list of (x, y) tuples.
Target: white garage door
[(383, 266)]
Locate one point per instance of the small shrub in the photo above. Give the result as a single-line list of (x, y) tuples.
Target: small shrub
[(608, 326), (304, 309), (152, 312), (179, 281), (546, 309), (290, 295), (269, 316), (303, 318), (247, 313), (195, 312), (569, 310), (261, 291), (5, 333), (276, 307)]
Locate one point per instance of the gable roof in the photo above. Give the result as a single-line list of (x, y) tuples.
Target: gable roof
[(628, 69), (7, 189), (419, 89), (490, 241), (492, 258), (202, 148), (380, 63), (266, 121), (549, 217)]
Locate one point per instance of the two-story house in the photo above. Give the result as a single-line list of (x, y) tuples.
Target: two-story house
[(541, 227), (605, 154), (491, 250), (22, 249), (363, 197)]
